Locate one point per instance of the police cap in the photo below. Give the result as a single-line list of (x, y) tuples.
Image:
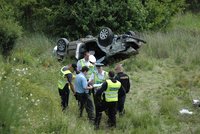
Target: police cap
[(99, 64)]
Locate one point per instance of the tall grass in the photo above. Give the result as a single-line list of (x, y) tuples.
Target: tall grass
[(12, 108), (181, 43), (164, 78), (181, 46), (34, 50), (188, 21)]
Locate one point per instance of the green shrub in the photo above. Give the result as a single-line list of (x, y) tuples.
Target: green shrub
[(193, 5), (9, 30), (55, 17)]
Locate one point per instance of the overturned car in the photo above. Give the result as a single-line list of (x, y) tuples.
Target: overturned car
[(105, 46)]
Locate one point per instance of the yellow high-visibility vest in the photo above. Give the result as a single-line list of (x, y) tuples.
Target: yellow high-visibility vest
[(62, 81), (97, 80), (91, 68), (90, 71), (82, 63), (111, 93)]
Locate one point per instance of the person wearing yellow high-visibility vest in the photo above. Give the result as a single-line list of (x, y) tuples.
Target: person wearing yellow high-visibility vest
[(97, 78), (65, 84), (109, 92), (89, 61), (99, 75)]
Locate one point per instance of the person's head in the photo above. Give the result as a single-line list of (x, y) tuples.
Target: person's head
[(118, 68), (99, 66), (92, 59), (84, 70), (111, 74), (86, 55), (72, 67)]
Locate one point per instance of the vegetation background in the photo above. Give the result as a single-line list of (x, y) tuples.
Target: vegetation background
[(165, 76)]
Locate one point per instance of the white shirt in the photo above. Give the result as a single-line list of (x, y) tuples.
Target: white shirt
[(99, 75), (79, 65)]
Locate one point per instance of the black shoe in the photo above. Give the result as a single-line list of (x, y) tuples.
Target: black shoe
[(121, 113), (91, 121), (64, 109), (96, 127), (111, 126)]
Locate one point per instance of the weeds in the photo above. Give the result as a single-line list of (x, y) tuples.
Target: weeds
[(164, 78)]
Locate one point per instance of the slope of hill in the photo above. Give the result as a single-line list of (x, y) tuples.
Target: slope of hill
[(165, 77)]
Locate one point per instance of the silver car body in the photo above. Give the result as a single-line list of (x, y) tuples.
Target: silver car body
[(124, 44)]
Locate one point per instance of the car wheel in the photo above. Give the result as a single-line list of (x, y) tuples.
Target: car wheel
[(105, 36), (131, 33), (62, 44)]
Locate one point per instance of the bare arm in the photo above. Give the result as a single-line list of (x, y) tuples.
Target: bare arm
[(72, 87), (69, 79)]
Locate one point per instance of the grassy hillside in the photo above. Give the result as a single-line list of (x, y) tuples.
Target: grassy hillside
[(165, 77)]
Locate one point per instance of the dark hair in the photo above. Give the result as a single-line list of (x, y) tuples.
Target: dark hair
[(84, 68), (111, 74), (74, 66), (85, 52)]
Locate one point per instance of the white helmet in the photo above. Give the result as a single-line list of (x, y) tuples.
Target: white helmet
[(92, 59)]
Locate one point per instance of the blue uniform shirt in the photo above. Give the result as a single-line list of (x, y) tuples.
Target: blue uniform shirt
[(81, 83)]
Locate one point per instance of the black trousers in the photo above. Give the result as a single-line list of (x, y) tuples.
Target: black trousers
[(95, 99), (120, 104), (64, 95), (110, 108), (85, 101)]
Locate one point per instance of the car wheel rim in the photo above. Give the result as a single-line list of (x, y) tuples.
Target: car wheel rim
[(103, 34), (61, 46)]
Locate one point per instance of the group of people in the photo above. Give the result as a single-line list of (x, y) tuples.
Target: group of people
[(95, 89)]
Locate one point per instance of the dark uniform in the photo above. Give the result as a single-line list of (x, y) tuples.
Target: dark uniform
[(107, 101), (124, 79)]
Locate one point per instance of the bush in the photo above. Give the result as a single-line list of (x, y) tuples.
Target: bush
[(120, 16), (193, 5), (56, 17), (159, 13), (9, 29)]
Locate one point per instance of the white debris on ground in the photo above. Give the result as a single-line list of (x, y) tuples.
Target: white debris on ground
[(195, 102), (185, 111)]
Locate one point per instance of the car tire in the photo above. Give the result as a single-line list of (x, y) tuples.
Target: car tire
[(105, 37), (62, 44)]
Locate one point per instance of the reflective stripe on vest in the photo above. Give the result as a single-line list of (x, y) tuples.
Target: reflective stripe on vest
[(97, 80), (82, 63), (91, 68), (62, 81), (111, 93), (90, 71)]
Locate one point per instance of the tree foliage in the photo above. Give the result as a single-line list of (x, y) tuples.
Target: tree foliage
[(78, 18), (10, 30), (193, 5)]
